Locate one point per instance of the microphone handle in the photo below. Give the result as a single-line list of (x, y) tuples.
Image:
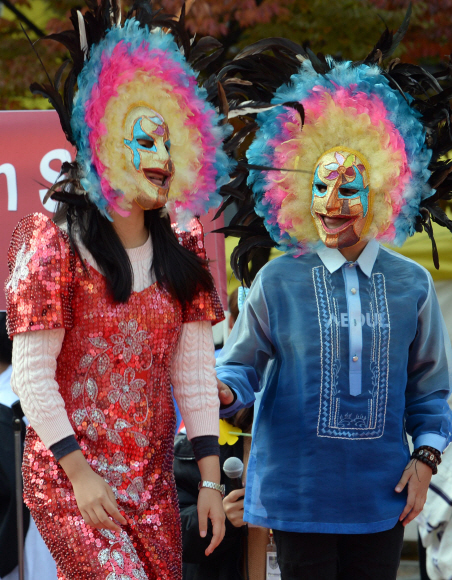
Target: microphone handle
[(236, 483)]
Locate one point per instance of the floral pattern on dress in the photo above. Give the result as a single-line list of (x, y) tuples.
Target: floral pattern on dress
[(126, 389), (115, 471), (21, 270), (121, 557), (129, 340)]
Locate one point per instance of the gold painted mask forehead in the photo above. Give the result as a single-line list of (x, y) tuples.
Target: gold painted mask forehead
[(344, 164)]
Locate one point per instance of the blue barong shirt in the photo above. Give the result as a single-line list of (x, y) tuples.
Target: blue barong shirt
[(349, 357)]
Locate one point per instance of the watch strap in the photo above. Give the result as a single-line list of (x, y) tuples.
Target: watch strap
[(211, 485)]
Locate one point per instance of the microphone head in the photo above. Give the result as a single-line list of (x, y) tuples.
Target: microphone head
[(233, 467)]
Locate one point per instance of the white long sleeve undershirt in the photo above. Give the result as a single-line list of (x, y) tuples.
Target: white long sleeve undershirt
[(192, 372)]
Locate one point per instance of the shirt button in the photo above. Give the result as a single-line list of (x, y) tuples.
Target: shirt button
[(353, 290), (355, 358)]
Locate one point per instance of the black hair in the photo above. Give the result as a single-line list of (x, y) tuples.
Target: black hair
[(6, 345), (181, 272)]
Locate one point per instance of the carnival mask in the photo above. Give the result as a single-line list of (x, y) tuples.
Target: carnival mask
[(148, 143), (340, 204)]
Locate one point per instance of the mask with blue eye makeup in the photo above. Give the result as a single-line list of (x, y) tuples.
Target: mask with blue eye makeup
[(341, 198), (149, 149)]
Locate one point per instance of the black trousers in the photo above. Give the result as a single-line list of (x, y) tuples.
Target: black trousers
[(339, 556)]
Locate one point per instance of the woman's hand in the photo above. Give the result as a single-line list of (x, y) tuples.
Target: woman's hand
[(418, 476), (94, 496), (233, 507), (210, 506)]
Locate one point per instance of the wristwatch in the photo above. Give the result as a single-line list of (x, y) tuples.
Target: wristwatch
[(211, 485)]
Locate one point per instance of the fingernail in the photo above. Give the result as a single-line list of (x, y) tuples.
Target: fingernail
[(398, 488), (203, 534)]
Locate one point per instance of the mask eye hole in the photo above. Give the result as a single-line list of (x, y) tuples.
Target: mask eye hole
[(146, 143), (348, 192), (321, 188)]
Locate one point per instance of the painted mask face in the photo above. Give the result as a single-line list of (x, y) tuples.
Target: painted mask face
[(148, 143), (340, 206)]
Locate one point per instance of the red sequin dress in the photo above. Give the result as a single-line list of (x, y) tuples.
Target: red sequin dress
[(114, 376)]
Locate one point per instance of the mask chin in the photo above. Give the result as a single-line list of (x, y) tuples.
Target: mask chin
[(146, 203)]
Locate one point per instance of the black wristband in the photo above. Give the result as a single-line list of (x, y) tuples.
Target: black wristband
[(64, 447), (204, 446)]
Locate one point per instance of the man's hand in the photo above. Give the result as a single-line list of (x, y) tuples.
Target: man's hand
[(224, 394), (418, 476), (233, 507)]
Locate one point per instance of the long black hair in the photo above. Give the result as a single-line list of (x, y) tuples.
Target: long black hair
[(181, 272)]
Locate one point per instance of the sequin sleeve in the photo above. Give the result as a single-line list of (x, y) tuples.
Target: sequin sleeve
[(205, 305), (39, 286)]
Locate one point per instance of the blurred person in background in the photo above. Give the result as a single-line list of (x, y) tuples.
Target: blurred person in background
[(38, 562), (228, 562), (435, 520)]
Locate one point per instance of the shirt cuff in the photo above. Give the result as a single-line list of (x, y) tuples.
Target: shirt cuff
[(204, 446), (234, 394), (431, 440), (231, 410), (64, 447)]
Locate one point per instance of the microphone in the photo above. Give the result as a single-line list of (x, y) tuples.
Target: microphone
[(233, 468)]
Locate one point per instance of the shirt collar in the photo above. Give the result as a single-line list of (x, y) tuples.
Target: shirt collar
[(333, 259)]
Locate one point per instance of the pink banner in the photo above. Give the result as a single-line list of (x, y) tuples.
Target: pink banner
[(32, 149)]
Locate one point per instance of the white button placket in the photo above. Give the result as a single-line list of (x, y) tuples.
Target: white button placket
[(355, 330)]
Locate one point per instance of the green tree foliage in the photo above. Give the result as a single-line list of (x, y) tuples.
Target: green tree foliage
[(347, 28), (19, 66)]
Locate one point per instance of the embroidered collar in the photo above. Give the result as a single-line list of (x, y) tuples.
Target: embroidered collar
[(333, 259)]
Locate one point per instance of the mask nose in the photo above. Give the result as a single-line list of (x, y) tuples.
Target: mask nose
[(162, 153), (333, 200)]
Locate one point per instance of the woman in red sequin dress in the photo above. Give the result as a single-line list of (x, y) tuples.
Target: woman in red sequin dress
[(107, 309)]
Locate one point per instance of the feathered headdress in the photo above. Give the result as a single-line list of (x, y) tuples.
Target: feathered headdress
[(148, 60), (397, 118)]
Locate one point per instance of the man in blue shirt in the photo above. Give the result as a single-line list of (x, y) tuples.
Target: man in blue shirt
[(343, 337)]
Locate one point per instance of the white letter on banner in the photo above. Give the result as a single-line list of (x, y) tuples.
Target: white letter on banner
[(49, 174), (11, 185)]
